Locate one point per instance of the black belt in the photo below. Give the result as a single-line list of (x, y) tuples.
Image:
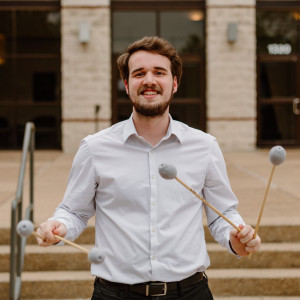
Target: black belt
[(155, 288)]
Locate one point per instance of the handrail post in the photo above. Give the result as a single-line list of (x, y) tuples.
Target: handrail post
[(17, 243)]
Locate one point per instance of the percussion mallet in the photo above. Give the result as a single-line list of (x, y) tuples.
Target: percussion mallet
[(168, 172), (277, 156), (25, 228)]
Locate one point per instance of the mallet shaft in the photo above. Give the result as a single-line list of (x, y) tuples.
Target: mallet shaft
[(264, 202), (263, 205), (64, 240), (209, 205)]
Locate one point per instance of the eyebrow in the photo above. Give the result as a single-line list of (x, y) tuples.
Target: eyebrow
[(155, 68)]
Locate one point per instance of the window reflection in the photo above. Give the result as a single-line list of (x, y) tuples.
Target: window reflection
[(6, 81), (277, 122), (277, 28), (30, 74), (38, 31), (38, 80), (278, 79), (190, 83), (131, 26), (6, 31), (184, 30)]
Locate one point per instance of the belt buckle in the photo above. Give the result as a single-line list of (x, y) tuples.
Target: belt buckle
[(165, 288)]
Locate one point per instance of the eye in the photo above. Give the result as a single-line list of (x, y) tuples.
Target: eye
[(160, 73), (139, 74)]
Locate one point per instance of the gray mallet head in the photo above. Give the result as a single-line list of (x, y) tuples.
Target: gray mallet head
[(277, 155), (167, 171), (95, 256), (25, 228)]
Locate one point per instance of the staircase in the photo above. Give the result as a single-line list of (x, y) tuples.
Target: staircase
[(63, 272)]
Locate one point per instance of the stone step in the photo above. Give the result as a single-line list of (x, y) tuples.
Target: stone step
[(53, 258), (51, 285), (254, 282), (233, 282), (268, 234), (57, 258), (270, 255)]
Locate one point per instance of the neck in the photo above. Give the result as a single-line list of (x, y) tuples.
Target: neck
[(152, 129)]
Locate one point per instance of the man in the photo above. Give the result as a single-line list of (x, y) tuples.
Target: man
[(149, 228)]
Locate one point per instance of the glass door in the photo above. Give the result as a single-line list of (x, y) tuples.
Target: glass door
[(278, 78), (185, 30), (30, 79)]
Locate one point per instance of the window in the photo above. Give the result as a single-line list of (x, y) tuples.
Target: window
[(30, 74), (278, 67)]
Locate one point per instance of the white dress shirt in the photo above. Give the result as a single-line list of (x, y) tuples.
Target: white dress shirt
[(149, 228)]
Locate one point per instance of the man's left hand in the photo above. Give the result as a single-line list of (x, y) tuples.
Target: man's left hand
[(242, 242)]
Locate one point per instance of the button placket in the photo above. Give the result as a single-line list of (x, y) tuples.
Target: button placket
[(153, 207)]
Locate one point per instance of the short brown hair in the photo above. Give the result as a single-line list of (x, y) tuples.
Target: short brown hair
[(152, 44)]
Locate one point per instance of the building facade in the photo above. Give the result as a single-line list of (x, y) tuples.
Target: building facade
[(241, 63)]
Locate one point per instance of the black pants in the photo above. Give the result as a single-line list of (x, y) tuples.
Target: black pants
[(198, 291)]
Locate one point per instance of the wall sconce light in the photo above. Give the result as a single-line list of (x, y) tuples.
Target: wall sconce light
[(84, 32), (232, 32)]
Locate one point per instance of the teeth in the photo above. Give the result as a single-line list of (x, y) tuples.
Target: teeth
[(150, 93)]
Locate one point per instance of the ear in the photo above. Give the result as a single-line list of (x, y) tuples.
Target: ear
[(175, 84), (126, 86)]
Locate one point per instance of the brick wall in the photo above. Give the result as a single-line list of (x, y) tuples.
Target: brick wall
[(231, 74), (86, 70)]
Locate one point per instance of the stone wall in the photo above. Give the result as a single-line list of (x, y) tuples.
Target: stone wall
[(231, 74), (86, 70)]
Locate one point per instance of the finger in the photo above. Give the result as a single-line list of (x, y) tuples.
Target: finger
[(254, 242), (245, 231), (46, 230), (235, 232), (61, 230), (246, 234), (252, 249)]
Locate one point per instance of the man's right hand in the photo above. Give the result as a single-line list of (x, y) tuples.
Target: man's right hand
[(48, 229)]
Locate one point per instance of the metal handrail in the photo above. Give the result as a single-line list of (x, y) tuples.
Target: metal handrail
[(17, 243)]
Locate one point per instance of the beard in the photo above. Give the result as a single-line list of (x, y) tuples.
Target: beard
[(151, 110)]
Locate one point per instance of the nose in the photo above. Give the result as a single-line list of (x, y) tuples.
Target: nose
[(149, 79)]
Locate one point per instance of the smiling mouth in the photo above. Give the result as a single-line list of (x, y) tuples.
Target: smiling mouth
[(150, 93)]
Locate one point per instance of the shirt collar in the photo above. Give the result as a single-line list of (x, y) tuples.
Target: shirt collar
[(173, 129)]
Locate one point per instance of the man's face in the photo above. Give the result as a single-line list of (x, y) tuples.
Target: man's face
[(150, 84)]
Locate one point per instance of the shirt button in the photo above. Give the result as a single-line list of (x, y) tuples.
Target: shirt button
[(152, 176), (153, 257), (153, 230), (153, 203)]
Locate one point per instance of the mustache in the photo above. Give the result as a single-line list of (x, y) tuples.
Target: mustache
[(145, 88)]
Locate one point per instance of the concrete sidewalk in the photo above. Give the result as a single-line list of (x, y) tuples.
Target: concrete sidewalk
[(248, 172)]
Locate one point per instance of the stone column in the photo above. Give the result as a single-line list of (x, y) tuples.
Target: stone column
[(86, 69), (231, 73)]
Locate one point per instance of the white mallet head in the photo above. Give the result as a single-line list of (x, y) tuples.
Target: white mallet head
[(167, 171), (25, 228), (95, 256), (277, 155)]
